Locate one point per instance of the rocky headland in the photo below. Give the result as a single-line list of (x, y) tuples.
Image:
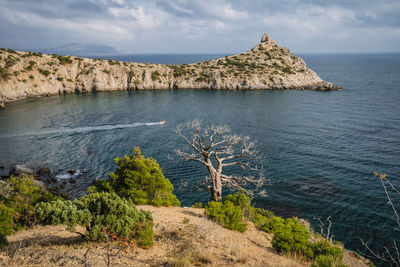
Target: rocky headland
[(266, 66)]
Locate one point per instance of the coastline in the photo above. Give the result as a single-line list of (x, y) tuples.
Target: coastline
[(266, 66)]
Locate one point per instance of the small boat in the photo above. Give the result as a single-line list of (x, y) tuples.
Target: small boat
[(162, 122)]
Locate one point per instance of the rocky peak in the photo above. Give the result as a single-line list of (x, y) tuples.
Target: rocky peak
[(265, 38)]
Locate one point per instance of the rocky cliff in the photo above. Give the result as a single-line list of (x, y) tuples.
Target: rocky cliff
[(266, 66)]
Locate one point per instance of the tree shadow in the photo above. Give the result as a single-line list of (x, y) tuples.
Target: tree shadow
[(192, 213), (45, 241)]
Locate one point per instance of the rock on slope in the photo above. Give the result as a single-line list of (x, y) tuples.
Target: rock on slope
[(183, 237), (265, 66)]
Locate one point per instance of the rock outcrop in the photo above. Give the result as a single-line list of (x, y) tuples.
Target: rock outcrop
[(265, 66)]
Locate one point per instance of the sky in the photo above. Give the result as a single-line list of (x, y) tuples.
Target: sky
[(202, 26)]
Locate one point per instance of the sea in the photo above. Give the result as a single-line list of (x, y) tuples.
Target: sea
[(320, 148)]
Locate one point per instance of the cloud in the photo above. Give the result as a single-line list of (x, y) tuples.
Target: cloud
[(188, 26)]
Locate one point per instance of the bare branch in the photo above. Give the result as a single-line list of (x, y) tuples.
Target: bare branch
[(322, 226), (388, 256), (396, 214)]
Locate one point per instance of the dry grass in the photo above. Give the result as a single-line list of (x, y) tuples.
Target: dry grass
[(183, 237)]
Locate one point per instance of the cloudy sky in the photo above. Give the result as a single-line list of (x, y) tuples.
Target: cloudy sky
[(202, 26)]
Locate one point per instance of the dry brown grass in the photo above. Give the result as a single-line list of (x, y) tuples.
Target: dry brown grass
[(194, 241)]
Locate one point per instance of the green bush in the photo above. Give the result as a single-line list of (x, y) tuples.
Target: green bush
[(327, 261), (6, 223), (199, 205), (242, 201), (4, 74), (256, 215), (113, 62), (292, 238), (98, 211), (324, 248), (18, 196), (64, 60), (261, 216), (139, 179), (155, 75), (21, 195), (234, 210), (227, 214), (44, 72)]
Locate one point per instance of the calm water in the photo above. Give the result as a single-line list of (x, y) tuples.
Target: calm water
[(321, 147)]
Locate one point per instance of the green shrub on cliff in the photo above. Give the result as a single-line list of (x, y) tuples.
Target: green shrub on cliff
[(99, 211), (4, 74), (227, 214), (6, 223), (290, 237), (139, 179), (21, 194), (44, 72), (155, 75), (293, 238), (18, 197), (234, 210)]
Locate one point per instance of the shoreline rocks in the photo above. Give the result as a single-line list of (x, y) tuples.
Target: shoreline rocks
[(70, 181)]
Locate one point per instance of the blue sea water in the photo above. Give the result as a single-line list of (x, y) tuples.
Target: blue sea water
[(321, 148)]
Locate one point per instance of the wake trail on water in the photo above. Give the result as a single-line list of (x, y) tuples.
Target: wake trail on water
[(106, 127)]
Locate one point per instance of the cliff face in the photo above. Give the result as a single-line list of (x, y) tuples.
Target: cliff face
[(265, 66)]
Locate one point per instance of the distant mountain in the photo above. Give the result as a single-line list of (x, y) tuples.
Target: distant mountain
[(80, 49)]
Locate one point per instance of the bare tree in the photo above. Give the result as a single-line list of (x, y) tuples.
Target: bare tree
[(216, 149), (326, 229), (389, 255)]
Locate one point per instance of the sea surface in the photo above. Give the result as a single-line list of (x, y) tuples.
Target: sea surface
[(321, 148)]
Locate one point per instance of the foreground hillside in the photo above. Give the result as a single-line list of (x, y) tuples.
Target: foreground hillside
[(266, 66), (183, 237)]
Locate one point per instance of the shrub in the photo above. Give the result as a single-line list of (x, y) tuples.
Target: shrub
[(11, 51), (327, 261), (22, 194), (324, 248), (155, 75), (6, 223), (140, 179), (199, 205), (288, 70), (63, 212), (290, 237), (113, 62), (44, 72), (59, 78), (261, 216), (256, 215), (178, 71), (227, 214), (64, 60), (4, 74), (31, 77), (99, 211), (18, 195), (203, 77)]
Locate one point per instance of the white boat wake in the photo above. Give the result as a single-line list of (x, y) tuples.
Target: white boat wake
[(106, 127)]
